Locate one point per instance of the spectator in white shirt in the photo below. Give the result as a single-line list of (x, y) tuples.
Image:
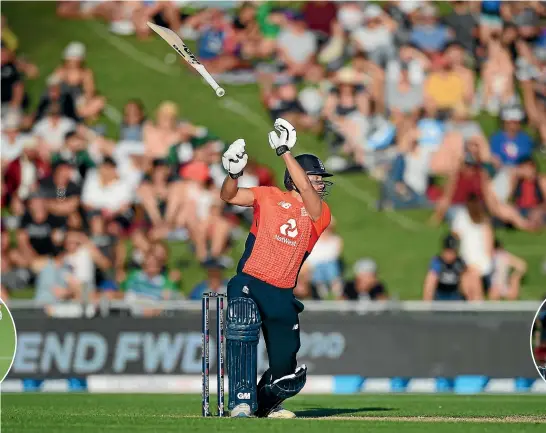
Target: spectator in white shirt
[(106, 195), (296, 46), (475, 231), (324, 263), (12, 140), (52, 129)]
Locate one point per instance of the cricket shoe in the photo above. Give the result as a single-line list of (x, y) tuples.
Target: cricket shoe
[(281, 413), (241, 411)]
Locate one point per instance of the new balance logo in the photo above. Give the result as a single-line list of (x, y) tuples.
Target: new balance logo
[(243, 395), (284, 205), (245, 290), (295, 327)]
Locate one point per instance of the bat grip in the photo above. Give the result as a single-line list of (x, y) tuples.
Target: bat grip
[(211, 81)]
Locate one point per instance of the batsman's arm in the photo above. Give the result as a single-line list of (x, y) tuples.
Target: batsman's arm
[(311, 199), (232, 194)]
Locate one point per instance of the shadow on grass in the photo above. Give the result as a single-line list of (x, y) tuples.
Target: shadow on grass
[(319, 412)]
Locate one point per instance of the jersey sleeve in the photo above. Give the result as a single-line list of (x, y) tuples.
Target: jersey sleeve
[(260, 192), (324, 220), (435, 265)]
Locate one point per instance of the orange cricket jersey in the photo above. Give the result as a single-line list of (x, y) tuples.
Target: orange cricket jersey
[(281, 237)]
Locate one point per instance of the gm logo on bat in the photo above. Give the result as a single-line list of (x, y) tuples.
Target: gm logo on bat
[(188, 53), (244, 395)]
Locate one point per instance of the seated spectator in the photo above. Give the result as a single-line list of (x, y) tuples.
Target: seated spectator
[(372, 77), (55, 95), (528, 192), (61, 193), (23, 175), (345, 111), (160, 135), (509, 270), (350, 15), (39, 233), (407, 182), (444, 88), (79, 81), (366, 285), (12, 277), (473, 227), (282, 101), (105, 195), (215, 281), (511, 143), (456, 56), (416, 61), (319, 16), (428, 34), (12, 139), (312, 97), (133, 121), (52, 129), (498, 88), (404, 100), (445, 278), (376, 36), (75, 151), (462, 20), (324, 261), (14, 96), (202, 213), (296, 46), (164, 13)]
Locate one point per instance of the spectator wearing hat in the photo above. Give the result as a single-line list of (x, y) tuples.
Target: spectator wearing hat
[(54, 94), (428, 34), (14, 97), (366, 284), (445, 277), (12, 139), (296, 45), (78, 81), (105, 195), (511, 143), (215, 281), (376, 36), (52, 129), (24, 174)]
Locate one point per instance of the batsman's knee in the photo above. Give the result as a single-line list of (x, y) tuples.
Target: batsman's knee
[(243, 323)]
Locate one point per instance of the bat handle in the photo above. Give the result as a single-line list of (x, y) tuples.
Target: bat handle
[(211, 81), (220, 92)]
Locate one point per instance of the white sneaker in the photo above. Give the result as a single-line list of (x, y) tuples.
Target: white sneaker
[(241, 411), (281, 413)]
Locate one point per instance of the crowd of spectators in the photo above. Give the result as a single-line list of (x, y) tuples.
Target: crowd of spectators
[(391, 89)]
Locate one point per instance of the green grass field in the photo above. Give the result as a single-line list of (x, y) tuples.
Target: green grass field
[(7, 341), (125, 68), (54, 413)]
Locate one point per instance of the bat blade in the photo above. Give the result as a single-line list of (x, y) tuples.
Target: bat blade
[(175, 42)]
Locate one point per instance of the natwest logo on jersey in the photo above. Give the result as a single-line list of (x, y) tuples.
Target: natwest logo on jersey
[(288, 231)]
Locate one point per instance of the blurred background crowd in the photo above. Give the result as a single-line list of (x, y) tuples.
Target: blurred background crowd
[(442, 104)]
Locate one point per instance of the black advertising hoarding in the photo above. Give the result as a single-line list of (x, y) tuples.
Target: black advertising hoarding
[(387, 344)]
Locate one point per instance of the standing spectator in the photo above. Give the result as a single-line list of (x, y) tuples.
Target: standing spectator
[(511, 144), (428, 34), (78, 81), (14, 97), (296, 46), (106, 195), (366, 284), (445, 278), (325, 264), (215, 281), (473, 227), (376, 38), (509, 270)]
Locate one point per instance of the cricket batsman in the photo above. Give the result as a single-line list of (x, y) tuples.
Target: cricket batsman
[(286, 226)]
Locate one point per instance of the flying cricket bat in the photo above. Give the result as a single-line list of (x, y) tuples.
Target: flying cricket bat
[(180, 47)]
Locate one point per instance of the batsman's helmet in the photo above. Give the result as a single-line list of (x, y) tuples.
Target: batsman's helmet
[(312, 166)]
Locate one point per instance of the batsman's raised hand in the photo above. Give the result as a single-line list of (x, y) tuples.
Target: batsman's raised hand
[(287, 138), (235, 158)]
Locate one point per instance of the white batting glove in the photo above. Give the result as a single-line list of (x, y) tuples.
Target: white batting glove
[(235, 158), (287, 138)]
